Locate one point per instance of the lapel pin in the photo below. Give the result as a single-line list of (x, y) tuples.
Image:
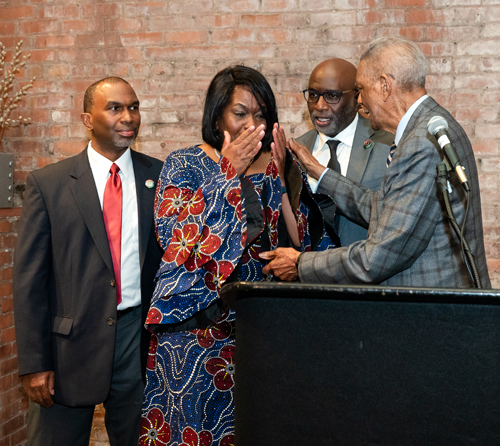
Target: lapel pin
[(368, 144), (150, 184)]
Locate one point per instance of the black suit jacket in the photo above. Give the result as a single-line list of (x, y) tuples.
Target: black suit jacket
[(64, 293)]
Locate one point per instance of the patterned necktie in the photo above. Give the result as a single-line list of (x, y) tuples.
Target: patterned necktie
[(334, 165), (112, 213), (334, 162), (391, 154)]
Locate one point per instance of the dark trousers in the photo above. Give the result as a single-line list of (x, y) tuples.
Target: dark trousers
[(63, 426)]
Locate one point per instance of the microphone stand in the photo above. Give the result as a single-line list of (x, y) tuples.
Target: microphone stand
[(470, 262)]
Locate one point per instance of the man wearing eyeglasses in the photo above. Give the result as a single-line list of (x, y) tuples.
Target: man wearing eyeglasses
[(361, 152)]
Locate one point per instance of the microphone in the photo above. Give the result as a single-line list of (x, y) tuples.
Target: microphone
[(438, 127)]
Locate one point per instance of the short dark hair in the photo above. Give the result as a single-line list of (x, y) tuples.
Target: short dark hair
[(219, 95), (88, 98)]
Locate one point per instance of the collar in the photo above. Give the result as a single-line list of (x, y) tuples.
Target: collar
[(346, 136), (101, 165), (406, 118)]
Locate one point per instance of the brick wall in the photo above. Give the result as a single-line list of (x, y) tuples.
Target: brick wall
[(170, 49)]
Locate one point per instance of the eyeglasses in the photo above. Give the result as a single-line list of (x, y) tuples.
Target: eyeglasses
[(330, 96)]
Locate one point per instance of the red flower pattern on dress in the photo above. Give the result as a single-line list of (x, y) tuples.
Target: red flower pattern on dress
[(222, 368), (301, 224), (220, 331), (227, 440), (227, 168), (202, 249), (252, 252), (191, 438), (195, 206), (272, 221), (153, 346), (154, 316), (272, 170), (155, 431), (217, 273), (173, 201), (234, 199), (182, 243)]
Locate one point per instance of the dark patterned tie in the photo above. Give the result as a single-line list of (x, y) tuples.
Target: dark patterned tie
[(334, 162), (391, 154), (334, 165), (112, 213)]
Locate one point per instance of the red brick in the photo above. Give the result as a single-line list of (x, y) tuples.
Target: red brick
[(132, 24), (239, 5), (8, 366), (7, 28), (5, 257), (183, 7), (39, 26), (55, 41), (59, 11), (13, 424), (232, 35), (5, 225), (17, 12), (261, 20), (138, 39), (216, 21), (8, 241), (7, 303), (7, 274), (146, 9), (72, 26), (186, 38)]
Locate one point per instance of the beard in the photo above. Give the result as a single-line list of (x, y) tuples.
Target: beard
[(338, 121)]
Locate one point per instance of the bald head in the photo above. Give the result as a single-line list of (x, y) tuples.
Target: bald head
[(337, 75), (342, 71)]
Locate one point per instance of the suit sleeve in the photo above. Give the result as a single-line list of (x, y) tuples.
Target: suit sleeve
[(402, 218), (31, 292)]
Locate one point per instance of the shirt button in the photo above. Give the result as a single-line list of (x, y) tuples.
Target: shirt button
[(110, 321), (112, 282)]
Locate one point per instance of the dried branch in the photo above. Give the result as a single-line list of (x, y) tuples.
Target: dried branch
[(9, 98)]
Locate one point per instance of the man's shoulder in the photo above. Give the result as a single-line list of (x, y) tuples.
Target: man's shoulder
[(377, 136), (62, 167), (146, 160), (308, 138)]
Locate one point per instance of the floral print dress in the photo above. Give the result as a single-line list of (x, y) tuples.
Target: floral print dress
[(212, 224)]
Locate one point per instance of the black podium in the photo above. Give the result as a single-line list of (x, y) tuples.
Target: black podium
[(335, 365)]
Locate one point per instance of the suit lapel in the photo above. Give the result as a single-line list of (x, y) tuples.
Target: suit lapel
[(309, 139), (359, 155), (145, 201), (425, 107), (85, 193)]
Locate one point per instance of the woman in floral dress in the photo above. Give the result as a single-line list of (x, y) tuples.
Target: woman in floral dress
[(218, 205)]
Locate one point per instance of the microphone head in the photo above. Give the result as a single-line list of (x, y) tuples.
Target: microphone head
[(435, 124)]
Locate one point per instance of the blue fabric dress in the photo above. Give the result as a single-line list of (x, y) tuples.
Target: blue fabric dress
[(210, 231)]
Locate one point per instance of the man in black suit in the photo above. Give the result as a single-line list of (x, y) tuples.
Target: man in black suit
[(361, 151), (83, 277)]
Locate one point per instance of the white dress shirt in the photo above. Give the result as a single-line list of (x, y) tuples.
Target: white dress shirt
[(130, 265), (406, 118), (321, 150)]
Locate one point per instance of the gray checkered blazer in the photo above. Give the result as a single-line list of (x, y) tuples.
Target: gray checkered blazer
[(410, 242)]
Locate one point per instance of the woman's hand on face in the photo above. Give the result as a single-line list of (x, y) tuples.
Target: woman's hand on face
[(278, 147), (243, 149)]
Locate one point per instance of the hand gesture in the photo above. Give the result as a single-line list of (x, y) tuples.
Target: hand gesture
[(283, 263), (278, 148), (244, 148), (306, 159)]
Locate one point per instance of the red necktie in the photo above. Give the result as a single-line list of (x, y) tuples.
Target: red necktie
[(112, 213)]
